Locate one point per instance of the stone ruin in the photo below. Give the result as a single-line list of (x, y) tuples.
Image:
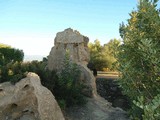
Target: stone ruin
[(76, 44)]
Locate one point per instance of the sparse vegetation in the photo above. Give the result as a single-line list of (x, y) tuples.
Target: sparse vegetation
[(68, 87)]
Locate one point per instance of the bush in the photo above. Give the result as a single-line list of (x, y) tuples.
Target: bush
[(15, 71), (8, 54), (139, 60), (64, 86), (68, 87)]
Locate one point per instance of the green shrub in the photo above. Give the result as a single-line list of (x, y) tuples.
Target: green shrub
[(9, 54), (64, 86), (14, 71), (68, 88), (139, 60)]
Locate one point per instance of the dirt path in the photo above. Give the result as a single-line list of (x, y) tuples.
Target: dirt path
[(107, 77), (96, 109)]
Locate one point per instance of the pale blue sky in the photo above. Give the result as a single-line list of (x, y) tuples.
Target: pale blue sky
[(31, 25)]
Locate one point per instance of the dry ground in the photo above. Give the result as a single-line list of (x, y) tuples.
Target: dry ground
[(97, 108)]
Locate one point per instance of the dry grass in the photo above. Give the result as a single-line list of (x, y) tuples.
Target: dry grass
[(102, 74)]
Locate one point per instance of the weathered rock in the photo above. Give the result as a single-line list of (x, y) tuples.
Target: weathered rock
[(76, 44), (28, 100), (88, 80), (71, 41)]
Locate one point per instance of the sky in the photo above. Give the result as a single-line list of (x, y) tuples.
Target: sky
[(31, 25)]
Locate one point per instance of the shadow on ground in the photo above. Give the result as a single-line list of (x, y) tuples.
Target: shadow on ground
[(108, 88)]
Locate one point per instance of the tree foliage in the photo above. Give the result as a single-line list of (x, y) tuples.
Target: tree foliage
[(9, 54), (96, 55), (103, 56), (9, 57), (139, 60)]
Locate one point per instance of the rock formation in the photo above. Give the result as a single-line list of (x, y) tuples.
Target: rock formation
[(28, 100), (72, 41), (76, 45), (88, 80)]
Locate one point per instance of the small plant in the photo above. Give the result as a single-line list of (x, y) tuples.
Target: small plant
[(68, 86), (62, 104)]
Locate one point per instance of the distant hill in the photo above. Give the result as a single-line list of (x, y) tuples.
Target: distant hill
[(33, 57)]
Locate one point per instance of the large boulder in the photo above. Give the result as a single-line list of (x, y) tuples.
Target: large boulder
[(71, 41), (76, 45), (28, 100), (88, 81)]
